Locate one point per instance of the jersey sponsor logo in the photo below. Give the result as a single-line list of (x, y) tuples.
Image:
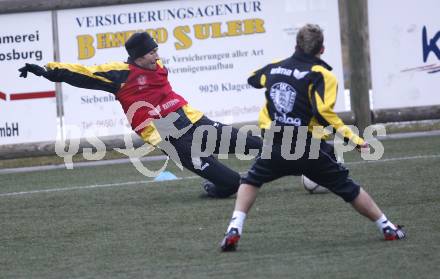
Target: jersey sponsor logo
[(283, 118), (280, 71), (171, 103), (142, 80), (288, 72), (156, 110), (283, 96), (299, 75)]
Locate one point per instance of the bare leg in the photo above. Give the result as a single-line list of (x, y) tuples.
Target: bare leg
[(366, 206), (246, 196)]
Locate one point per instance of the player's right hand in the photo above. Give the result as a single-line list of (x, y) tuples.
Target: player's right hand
[(363, 148), (33, 68)]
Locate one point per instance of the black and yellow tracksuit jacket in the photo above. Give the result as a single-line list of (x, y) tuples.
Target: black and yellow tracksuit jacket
[(301, 91)]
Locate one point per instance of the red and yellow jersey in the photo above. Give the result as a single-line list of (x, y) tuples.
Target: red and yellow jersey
[(144, 94)]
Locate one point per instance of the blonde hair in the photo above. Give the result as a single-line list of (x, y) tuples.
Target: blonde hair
[(310, 39)]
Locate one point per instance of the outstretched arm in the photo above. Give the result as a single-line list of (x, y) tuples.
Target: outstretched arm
[(107, 77), (323, 92)]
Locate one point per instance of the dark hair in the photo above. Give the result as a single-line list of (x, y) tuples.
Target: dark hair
[(310, 39)]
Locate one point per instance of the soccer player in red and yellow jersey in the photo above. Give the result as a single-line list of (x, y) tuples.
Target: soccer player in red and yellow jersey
[(142, 88)]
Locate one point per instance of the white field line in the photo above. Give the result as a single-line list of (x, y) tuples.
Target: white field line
[(81, 164), (87, 187), (163, 157), (97, 186), (395, 159)]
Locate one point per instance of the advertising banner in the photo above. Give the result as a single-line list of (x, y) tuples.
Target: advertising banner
[(27, 106), (209, 47), (405, 53)]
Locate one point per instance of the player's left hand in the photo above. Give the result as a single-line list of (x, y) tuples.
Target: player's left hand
[(33, 68)]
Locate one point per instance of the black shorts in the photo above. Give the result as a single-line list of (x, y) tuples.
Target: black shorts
[(324, 170), (209, 167)]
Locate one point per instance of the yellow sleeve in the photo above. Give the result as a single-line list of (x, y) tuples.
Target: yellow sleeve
[(258, 78), (323, 95), (108, 77)]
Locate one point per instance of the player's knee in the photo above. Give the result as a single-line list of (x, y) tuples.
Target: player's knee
[(348, 190), (251, 181)]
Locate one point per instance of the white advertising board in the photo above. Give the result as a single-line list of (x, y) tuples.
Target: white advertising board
[(405, 53), (209, 47), (27, 106)]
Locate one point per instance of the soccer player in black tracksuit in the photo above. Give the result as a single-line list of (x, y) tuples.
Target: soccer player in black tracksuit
[(301, 91)]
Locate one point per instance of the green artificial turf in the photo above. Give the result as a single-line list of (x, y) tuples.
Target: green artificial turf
[(112, 222)]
